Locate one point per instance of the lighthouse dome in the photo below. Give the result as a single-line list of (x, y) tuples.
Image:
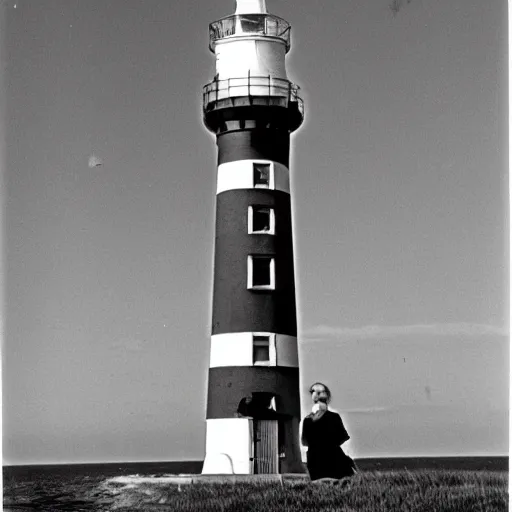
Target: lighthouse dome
[(250, 7)]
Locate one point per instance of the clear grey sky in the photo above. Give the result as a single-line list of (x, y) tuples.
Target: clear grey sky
[(400, 221)]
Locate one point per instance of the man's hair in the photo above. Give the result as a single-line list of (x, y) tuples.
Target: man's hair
[(327, 390)]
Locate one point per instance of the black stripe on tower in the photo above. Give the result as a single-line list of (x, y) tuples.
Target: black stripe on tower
[(235, 307), (267, 144), (229, 385)]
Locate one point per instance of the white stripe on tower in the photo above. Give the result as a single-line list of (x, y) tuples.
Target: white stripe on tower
[(240, 175), (237, 349)]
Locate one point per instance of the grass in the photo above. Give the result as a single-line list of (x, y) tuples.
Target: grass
[(389, 491)]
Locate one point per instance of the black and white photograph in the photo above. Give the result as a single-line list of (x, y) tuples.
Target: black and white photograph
[(255, 255)]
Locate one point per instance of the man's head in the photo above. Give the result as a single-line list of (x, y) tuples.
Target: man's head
[(320, 393)]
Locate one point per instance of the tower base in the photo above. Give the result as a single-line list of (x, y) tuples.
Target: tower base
[(247, 446)]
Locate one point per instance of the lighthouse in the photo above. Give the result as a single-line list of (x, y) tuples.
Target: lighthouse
[(253, 403)]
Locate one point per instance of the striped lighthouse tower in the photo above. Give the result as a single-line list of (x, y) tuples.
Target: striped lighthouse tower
[(253, 408)]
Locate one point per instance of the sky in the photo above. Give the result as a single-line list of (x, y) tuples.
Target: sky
[(400, 211)]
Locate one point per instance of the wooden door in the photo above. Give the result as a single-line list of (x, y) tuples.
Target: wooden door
[(266, 447)]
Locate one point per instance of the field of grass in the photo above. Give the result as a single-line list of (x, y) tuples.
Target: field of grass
[(391, 491), (369, 491)]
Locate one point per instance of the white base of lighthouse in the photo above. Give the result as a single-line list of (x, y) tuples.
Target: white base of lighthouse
[(241, 446), (228, 446)]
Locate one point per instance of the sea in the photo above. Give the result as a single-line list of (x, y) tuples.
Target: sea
[(92, 487)]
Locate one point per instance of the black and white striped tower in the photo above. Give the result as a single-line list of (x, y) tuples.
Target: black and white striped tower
[(253, 409)]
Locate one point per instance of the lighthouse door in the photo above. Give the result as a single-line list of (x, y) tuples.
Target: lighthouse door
[(266, 456)]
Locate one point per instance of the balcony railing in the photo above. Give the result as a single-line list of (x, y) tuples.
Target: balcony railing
[(239, 25), (272, 91)]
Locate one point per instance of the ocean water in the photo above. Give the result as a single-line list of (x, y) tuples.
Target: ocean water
[(77, 487), (97, 487)]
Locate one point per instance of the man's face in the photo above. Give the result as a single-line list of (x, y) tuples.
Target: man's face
[(319, 394)]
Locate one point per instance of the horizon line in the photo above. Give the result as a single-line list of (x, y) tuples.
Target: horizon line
[(366, 457)]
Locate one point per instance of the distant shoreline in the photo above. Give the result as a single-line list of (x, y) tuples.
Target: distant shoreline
[(474, 463), (495, 463)]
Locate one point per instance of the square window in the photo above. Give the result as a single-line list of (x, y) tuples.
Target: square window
[(261, 220), (261, 175), (261, 350), (261, 273)]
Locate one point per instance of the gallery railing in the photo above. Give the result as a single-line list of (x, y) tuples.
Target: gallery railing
[(250, 24), (263, 89)]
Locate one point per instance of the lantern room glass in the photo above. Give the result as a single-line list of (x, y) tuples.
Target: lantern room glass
[(240, 25)]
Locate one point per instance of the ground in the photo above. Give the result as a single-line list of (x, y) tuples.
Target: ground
[(427, 491)]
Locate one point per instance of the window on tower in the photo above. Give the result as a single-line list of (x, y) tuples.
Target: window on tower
[(254, 24), (261, 175), (261, 273), (261, 350), (261, 220)]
